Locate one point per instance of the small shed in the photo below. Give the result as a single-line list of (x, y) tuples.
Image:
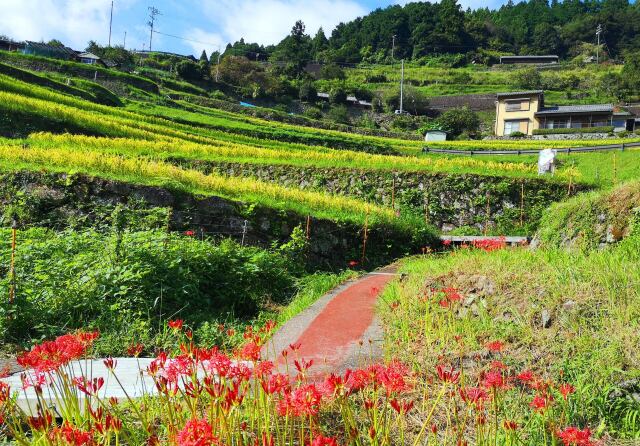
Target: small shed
[(89, 58), (435, 135), (46, 50)]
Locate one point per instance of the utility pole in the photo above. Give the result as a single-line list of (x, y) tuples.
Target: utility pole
[(153, 12), (110, 23), (393, 46), (402, 86), (124, 43), (598, 32), (218, 64)]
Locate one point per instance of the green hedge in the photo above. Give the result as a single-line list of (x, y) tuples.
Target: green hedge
[(607, 129)]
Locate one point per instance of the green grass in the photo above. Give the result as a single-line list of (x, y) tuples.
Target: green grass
[(592, 297)]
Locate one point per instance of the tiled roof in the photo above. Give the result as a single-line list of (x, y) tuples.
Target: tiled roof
[(543, 56), (593, 108), (519, 93)]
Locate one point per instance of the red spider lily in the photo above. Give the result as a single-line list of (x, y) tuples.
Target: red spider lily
[(401, 408), (510, 425), (250, 351), (446, 242), (72, 435), (40, 423), (357, 380), (495, 346), (526, 376), (267, 440), (392, 377), (394, 305), (135, 350), (434, 429), (447, 374), (572, 436), (295, 346), (540, 403), (498, 365), (303, 401), (5, 392), (489, 245), (494, 380), (263, 368), (189, 233), (36, 380), (196, 433), (566, 389), (175, 324), (50, 355), (277, 383), (113, 423), (353, 263), (89, 387), (320, 440), (303, 365), (474, 395), (110, 363)]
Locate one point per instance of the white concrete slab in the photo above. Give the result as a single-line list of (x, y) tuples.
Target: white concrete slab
[(130, 371)]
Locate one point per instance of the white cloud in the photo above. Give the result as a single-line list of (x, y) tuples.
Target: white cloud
[(269, 21), (201, 40), (74, 22)]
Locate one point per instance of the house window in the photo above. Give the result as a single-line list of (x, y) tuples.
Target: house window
[(517, 105), (516, 125), (577, 124), (556, 124)]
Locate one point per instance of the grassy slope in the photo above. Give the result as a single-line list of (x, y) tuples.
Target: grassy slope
[(593, 300)]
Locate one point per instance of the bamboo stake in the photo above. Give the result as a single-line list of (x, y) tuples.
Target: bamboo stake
[(426, 208), (615, 168), (522, 204), (365, 236), (12, 268), (308, 231), (393, 192), (488, 214)]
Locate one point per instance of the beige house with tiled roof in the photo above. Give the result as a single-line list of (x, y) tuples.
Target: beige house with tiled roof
[(525, 111)]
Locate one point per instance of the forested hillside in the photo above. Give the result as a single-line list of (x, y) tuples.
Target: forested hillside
[(423, 29)]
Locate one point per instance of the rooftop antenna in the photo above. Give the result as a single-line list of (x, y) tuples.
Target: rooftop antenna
[(153, 12)]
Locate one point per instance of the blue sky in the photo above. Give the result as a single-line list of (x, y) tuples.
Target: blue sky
[(207, 24)]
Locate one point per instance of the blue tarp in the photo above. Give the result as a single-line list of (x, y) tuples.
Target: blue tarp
[(246, 104)]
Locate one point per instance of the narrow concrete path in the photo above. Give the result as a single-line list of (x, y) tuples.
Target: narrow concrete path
[(340, 330)]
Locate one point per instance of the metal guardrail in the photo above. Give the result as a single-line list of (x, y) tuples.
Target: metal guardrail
[(603, 148)]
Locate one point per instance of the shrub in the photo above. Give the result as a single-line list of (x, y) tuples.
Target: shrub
[(415, 102), (74, 279), (572, 130), (313, 113), (332, 71), (337, 95), (529, 78), (517, 135), (460, 119), (307, 92), (189, 70), (339, 114)]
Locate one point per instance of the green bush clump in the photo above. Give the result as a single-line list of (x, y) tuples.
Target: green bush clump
[(572, 130), (130, 282)]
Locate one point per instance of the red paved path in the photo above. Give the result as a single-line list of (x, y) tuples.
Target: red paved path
[(332, 338)]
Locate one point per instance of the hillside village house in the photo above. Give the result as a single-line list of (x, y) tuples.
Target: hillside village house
[(525, 111), (530, 59)]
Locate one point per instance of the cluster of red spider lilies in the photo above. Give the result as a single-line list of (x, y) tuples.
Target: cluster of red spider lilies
[(203, 397)]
